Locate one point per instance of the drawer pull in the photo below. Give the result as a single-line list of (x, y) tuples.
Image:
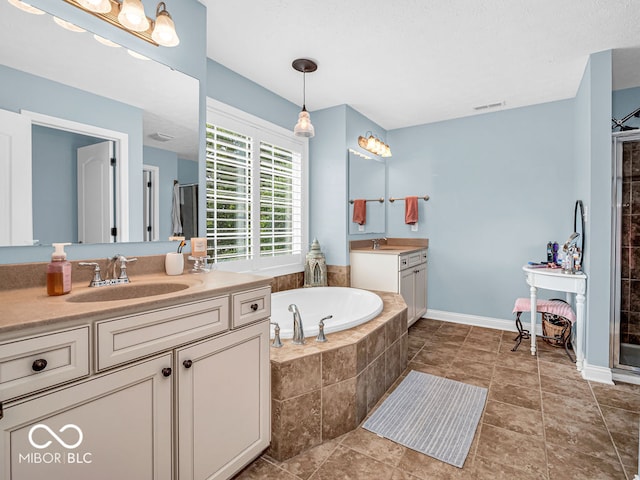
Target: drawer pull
[(166, 372), (254, 307), (39, 365), (187, 363)]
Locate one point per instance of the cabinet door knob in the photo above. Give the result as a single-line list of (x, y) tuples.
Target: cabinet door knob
[(39, 365), (187, 363), (166, 371), (254, 307)]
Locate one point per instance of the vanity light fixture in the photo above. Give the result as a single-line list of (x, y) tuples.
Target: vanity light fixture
[(25, 7), (106, 42), (68, 25), (304, 128), (129, 15), (373, 144)]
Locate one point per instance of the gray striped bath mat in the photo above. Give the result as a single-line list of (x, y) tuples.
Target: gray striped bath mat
[(432, 415)]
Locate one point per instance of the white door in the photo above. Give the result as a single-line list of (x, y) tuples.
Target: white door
[(15, 180), (95, 193), (223, 403), (407, 285)]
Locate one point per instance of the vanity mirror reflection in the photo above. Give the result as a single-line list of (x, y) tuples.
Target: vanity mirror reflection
[(64, 90), (367, 180)]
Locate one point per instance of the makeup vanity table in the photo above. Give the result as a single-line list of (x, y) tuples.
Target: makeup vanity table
[(571, 284)]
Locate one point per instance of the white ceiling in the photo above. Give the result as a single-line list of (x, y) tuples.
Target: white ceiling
[(408, 62)]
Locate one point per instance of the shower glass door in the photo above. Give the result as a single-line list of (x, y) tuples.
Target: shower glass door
[(625, 338)]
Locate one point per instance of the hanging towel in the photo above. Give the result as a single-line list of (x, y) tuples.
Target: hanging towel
[(411, 210), (360, 211), (176, 224)]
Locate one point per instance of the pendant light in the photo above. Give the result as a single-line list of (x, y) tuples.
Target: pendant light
[(304, 128), (164, 30), (132, 15)]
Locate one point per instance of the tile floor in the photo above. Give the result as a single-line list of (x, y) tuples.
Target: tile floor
[(541, 419)]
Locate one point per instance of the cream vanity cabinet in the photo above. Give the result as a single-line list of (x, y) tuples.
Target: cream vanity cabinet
[(175, 393), (398, 271)]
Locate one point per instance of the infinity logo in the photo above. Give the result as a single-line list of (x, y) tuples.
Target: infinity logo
[(53, 434)]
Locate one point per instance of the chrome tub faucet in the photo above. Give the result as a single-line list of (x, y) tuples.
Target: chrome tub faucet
[(298, 330)]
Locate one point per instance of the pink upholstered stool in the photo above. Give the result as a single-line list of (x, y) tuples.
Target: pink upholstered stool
[(561, 313)]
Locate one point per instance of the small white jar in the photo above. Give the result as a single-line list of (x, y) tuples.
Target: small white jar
[(174, 263)]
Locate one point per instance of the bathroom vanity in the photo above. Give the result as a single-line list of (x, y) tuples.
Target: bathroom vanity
[(396, 265), (171, 385)]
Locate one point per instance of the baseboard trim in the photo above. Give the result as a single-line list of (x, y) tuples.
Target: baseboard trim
[(596, 373), (479, 321)]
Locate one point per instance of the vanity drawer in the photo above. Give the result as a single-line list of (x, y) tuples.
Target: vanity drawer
[(127, 338), (249, 307), (34, 363), (412, 259)]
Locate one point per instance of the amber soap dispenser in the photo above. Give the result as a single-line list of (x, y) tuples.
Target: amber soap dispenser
[(59, 271)]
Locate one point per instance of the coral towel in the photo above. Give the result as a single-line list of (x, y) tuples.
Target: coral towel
[(411, 210), (360, 211)]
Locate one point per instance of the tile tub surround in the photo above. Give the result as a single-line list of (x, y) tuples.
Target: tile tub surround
[(320, 391), (337, 276)]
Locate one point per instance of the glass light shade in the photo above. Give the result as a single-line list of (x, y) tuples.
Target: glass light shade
[(105, 41), (137, 55), (98, 6), (25, 7), (132, 16), (304, 128), (68, 25), (164, 30), (371, 144)]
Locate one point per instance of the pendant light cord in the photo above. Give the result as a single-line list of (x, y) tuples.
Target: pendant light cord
[(304, 90)]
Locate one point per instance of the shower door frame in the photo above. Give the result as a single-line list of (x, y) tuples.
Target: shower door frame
[(617, 143)]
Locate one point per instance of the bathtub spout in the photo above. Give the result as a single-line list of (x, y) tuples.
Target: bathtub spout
[(298, 331)]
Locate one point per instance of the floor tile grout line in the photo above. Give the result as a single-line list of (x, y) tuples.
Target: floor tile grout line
[(544, 430), (615, 447)]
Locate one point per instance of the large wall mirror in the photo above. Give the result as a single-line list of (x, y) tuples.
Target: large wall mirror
[(367, 180), (75, 92)]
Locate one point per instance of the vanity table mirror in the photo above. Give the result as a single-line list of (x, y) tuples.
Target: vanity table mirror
[(89, 93), (367, 180)]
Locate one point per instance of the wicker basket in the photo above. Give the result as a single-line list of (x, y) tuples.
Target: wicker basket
[(552, 326)]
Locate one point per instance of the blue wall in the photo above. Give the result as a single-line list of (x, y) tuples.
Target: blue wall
[(187, 171), (167, 162), (593, 110), (498, 193), (624, 102), (55, 191)]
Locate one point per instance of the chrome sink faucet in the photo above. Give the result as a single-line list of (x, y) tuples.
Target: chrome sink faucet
[(122, 277), (298, 330), (376, 243)]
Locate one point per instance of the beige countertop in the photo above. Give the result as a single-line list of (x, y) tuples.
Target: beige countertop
[(24, 308), (390, 246)]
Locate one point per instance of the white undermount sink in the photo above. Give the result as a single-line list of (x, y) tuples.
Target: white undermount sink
[(126, 292)]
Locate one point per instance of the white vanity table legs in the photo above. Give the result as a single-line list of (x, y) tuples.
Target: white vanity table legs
[(534, 314), (580, 334)]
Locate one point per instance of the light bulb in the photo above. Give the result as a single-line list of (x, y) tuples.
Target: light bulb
[(97, 6), (371, 144), (304, 128), (25, 7), (132, 16), (164, 30), (68, 25)]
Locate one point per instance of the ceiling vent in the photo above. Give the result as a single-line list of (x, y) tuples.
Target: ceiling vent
[(161, 137), (489, 105)]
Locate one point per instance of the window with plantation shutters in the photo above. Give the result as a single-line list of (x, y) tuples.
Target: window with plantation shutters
[(280, 201), (255, 193), (229, 176)]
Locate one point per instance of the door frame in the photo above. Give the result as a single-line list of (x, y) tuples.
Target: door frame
[(618, 139), (121, 151), (155, 200)]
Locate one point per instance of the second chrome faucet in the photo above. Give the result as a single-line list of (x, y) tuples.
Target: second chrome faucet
[(298, 330)]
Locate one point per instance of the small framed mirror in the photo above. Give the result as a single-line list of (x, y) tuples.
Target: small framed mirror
[(367, 181)]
